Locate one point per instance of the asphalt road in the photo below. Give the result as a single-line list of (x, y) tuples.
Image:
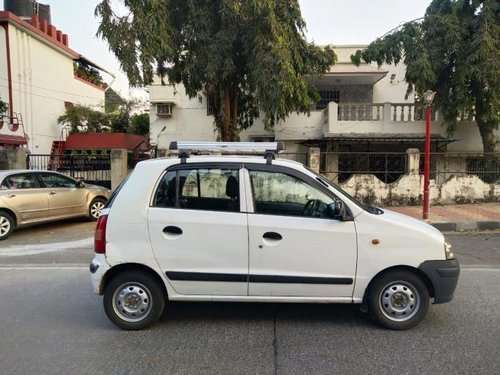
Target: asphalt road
[(52, 323)]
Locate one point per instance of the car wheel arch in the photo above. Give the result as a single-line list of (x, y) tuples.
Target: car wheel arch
[(415, 271), (11, 213), (125, 267)]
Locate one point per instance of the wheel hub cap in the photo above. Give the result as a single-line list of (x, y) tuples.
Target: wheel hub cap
[(132, 302), (4, 226), (399, 301)]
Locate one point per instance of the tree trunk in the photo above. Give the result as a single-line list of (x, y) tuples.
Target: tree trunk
[(487, 135), (225, 130), (491, 160), (234, 115)]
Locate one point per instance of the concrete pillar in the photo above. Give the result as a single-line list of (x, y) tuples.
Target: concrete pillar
[(413, 166), (119, 168), (13, 158), (313, 158)]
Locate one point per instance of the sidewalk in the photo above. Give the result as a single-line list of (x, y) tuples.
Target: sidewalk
[(458, 217)]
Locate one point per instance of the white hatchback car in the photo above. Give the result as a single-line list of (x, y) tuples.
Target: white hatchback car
[(253, 229)]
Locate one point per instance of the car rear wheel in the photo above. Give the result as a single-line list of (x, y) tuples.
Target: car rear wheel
[(6, 225), (133, 300), (398, 300), (95, 208)]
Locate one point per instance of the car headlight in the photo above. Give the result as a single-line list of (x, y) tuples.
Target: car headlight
[(447, 251)]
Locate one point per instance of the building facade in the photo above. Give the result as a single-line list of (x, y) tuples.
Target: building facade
[(39, 79), (362, 109)]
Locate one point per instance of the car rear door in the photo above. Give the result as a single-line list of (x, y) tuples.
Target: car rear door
[(198, 229), (21, 193), (295, 251)]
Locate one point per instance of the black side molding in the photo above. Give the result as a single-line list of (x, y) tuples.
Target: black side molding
[(272, 279)]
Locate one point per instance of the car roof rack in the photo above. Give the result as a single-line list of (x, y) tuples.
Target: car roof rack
[(268, 149)]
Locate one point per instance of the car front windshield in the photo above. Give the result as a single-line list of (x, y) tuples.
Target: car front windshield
[(364, 206)]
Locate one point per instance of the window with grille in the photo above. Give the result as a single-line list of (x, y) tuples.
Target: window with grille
[(164, 109), (327, 96)]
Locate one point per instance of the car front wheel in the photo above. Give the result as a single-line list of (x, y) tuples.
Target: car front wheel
[(6, 225), (95, 208), (133, 300), (398, 300)]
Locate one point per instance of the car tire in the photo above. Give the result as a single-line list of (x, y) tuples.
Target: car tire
[(95, 208), (398, 300), (7, 224), (133, 300)]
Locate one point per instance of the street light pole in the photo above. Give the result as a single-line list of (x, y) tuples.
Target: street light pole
[(428, 98)]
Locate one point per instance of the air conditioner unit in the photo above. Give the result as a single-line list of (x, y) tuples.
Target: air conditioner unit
[(164, 109)]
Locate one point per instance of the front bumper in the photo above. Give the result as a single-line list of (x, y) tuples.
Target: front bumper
[(444, 277), (98, 267)]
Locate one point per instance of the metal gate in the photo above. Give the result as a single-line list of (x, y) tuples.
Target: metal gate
[(92, 169)]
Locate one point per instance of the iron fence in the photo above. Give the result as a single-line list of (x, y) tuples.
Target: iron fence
[(389, 166), (93, 169), (340, 166), (485, 166)]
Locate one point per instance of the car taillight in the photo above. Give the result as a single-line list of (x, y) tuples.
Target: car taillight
[(100, 235)]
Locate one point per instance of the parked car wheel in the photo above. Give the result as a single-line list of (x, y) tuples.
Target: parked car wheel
[(6, 225), (398, 300), (95, 208), (133, 300)]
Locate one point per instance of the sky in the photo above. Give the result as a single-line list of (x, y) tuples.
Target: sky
[(336, 22)]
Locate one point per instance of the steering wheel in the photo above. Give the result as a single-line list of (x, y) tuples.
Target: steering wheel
[(311, 207)]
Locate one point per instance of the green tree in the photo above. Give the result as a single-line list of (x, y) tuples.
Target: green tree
[(3, 106), (139, 124), (82, 119), (454, 50), (248, 56)]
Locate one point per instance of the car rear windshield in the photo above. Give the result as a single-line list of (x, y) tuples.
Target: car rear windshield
[(114, 194)]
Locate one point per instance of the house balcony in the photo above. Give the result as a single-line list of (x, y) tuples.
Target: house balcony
[(376, 119), (360, 120)]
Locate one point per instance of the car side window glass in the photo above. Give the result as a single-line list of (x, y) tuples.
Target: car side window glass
[(20, 181), (277, 193), (211, 189), (55, 181)]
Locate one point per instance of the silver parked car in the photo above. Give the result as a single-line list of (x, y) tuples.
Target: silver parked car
[(29, 197)]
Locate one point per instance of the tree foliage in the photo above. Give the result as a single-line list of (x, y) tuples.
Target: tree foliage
[(454, 51), (81, 119), (139, 124), (248, 56)]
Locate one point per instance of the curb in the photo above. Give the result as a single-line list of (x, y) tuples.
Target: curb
[(463, 226)]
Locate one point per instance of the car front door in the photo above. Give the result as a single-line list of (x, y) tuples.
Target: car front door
[(65, 197), (295, 248), (198, 230)]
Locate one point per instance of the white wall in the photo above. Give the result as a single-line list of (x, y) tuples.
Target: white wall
[(43, 80), (189, 120)]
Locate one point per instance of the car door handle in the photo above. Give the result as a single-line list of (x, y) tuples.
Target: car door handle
[(272, 236), (52, 193), (172, 230), (10, 196)]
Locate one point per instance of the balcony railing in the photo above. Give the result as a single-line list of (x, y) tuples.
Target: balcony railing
[(400, 112)]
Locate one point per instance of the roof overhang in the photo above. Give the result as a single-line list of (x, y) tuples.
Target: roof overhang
[(12, 140), (350, 74), (438, 139)]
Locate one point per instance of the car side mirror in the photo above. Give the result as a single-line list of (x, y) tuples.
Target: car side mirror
[(80, 184), (338, 211)]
